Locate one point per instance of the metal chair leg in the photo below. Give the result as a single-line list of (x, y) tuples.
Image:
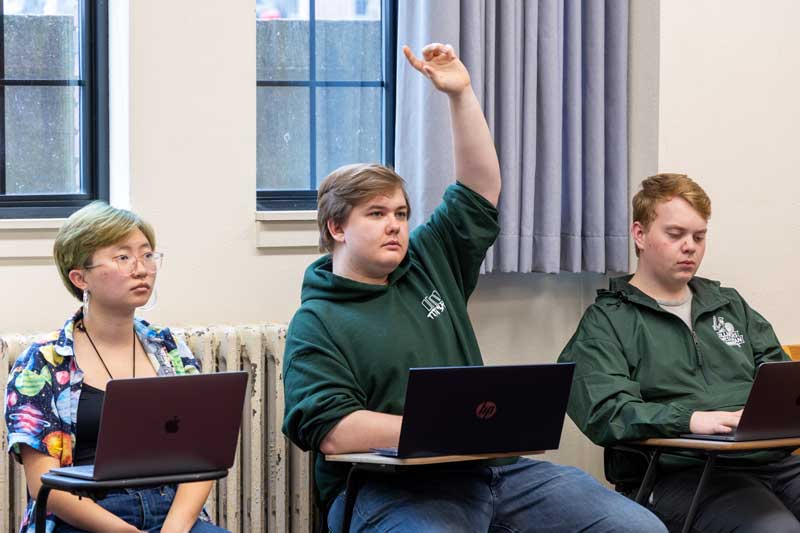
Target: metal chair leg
[(646, 487), (40, 516), (354, 481), (687, 524)]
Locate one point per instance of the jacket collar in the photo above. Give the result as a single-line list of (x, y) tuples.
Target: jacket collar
[(706, 294)]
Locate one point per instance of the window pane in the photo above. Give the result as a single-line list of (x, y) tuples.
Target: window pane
[(41, 39), (348, 127), (281, 41), (348, 40), (42, 140), (282, 132)]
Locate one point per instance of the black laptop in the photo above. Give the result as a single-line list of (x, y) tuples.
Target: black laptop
[(483, 409), (772, 410), (166, 425)]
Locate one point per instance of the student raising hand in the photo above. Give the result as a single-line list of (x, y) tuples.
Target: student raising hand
[(441, 65)]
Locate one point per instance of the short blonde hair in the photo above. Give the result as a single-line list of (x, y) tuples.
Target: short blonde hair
[(87, 230), (665, 187), (346, 187)]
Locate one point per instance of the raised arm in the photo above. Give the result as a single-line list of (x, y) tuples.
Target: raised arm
[(476, 161)]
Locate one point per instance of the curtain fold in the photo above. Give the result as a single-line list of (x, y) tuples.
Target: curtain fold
[(551, 76)]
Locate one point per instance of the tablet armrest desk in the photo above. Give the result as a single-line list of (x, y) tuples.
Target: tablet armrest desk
[(97, 489)]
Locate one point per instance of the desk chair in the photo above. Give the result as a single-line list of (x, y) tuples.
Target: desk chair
[(96, 490), (653, 448), (366, 465)]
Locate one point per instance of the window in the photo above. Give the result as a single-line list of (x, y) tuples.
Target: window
[(53, 106), (325, 83)]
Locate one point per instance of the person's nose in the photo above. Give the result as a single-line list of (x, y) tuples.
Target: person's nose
[(139, 270), (393, 224), (689, 246)]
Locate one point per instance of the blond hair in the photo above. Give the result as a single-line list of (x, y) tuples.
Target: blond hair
[(665, 187), (346, 187), (87, 230)]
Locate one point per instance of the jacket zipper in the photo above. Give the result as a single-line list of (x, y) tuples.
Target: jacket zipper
[(699, 353)]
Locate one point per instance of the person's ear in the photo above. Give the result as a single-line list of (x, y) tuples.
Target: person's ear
[(639, 234), (77, 278), (336, 230)]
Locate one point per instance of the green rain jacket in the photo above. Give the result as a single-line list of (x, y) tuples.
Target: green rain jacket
[(641, 372)]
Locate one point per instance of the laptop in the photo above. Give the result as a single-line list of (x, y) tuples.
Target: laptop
[(483, 409), (166, 425), (772, 410)]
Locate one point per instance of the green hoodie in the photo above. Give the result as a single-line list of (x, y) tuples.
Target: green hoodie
[(350, 345), (641, 372)]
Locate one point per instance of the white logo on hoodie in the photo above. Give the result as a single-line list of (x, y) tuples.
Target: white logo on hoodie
[(434, 305), (726, 332)]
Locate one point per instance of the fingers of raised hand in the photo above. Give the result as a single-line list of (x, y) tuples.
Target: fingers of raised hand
[(430, 51), (438, 51), (412, 59)]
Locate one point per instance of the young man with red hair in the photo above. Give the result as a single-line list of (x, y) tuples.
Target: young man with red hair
[(665, 352)]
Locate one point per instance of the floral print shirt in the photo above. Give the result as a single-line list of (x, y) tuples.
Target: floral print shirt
[(44, 387)]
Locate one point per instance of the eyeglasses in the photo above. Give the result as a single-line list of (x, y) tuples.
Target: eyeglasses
[(126, 264)]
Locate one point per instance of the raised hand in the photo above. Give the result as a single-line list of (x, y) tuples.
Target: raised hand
[(441, 65)]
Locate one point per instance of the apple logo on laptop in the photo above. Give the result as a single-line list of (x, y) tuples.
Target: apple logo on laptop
[(486, 410), (172, 425)]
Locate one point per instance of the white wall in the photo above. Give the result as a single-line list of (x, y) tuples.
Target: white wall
[(728, 84), (730, 80)]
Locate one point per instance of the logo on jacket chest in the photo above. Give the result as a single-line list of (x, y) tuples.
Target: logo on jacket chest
[(727, 332), (434, 305)]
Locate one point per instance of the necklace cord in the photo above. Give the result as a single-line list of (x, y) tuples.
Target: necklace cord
[(82, 327)]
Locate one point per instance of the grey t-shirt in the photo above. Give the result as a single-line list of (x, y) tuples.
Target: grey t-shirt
[(682, 309)]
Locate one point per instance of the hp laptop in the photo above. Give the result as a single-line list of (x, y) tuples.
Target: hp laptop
[(166, 425), (772, 410), (483, 409)]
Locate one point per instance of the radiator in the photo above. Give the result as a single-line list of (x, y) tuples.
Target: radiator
[(269, 486)]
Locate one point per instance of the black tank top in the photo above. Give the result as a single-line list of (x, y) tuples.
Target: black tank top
[(88, 424)]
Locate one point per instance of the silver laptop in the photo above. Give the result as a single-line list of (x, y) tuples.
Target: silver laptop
[(772, 410), (166, 425)]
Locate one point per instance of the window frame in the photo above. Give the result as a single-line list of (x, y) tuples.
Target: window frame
[(306, 199), (94, 122)]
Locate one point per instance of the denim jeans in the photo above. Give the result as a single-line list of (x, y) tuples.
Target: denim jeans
[(526, 496), (146, 509)]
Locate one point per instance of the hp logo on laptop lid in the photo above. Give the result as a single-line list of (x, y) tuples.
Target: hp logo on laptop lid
[(486, 410)]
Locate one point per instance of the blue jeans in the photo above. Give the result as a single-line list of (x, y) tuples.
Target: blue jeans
[(526, 496), (146, 509)]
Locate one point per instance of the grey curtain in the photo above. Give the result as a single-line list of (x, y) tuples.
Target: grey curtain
[(551, 76)]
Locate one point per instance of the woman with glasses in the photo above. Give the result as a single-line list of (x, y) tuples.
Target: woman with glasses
[(107, 259)]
